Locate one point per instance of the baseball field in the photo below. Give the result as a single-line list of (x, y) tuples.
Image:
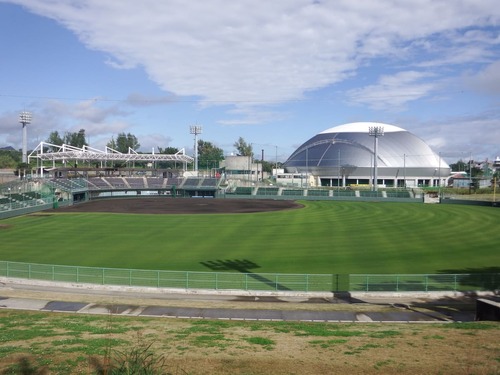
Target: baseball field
[(268, 236)]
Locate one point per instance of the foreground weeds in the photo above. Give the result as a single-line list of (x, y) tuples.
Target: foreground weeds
[(48, 343)]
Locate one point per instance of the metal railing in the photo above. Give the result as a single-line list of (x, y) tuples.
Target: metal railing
[(250, 281)]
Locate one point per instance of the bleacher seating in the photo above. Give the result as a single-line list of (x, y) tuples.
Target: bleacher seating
[(69, 184), (155, 182), (98, 183), (135, 182), (191, 182), (32, 195), (174, 181), (209, 182), (117, 182)]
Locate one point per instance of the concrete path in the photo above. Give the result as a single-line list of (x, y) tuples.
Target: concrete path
[(232, 306), (398, 315)]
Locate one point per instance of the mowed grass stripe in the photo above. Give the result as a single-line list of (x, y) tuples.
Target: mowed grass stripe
[(323, 237)]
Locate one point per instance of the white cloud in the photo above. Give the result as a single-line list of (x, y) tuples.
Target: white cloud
[(252, 116), (459, 137), (248, 52), (486, 81), (140, 100), (394, 92), (150, 142)]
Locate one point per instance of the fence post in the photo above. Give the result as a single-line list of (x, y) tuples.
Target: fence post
[(426, 283), (29, 271), (129, 277), (455, 282), (103, 276), (158, 279), (217, 281), (397, 283), (367, 282), (77, 274), (187, 280), (307, 283), (53, 273)]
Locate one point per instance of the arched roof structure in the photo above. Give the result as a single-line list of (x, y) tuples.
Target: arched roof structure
[(349, 151), (50, 152)]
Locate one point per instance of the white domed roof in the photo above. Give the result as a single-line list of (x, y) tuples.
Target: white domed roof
[(362, 127), (352, 145)]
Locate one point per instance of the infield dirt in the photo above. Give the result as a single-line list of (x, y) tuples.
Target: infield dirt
[(159, 205)]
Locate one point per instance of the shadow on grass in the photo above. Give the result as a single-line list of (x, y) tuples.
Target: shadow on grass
[(244, 266)]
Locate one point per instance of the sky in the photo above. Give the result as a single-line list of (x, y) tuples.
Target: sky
[(275, 73)]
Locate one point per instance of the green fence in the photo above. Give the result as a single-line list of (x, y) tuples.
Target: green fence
[(251, 281)]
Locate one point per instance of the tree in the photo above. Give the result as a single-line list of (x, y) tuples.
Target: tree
[(112, 144), (168, 151), (209, 155), (243, 148), (469, 167), (75, 139), (55, 139), (124, 142), (7, 160)]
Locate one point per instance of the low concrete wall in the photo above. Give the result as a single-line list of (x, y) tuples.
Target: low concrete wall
[(470, 202)]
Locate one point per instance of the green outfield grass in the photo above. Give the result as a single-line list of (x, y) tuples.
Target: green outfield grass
[(323, 237)]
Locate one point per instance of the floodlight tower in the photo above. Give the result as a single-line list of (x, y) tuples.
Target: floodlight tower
[(25, 119), (195, 130), (376, 132)]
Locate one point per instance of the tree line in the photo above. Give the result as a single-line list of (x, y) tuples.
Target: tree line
[(209, 155)]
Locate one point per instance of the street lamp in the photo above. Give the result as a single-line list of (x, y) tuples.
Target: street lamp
[(25, 119), (195, 130), (375, 131), (10, 200)]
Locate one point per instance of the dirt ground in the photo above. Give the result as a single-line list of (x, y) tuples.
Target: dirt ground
[(160, 205)]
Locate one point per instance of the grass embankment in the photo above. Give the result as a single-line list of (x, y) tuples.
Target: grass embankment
[(323, 237), (77, 344)]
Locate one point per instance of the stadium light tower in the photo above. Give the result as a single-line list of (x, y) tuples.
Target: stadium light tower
[(195, 130), (25, 119), (376, 132)]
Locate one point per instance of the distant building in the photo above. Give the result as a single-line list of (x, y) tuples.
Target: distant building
[(344, 156), (236, 167)]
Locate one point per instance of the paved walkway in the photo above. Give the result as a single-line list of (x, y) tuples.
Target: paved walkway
[(140, 303), (397, 315)]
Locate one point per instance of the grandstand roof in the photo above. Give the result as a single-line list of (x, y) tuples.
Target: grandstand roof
[(48, 151)]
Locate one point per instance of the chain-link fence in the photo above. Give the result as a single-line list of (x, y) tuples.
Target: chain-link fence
[(251, 281)]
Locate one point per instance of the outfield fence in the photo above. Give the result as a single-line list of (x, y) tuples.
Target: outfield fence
[(251, 281)]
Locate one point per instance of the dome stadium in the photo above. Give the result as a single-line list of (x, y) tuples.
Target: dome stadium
[(356, 153)]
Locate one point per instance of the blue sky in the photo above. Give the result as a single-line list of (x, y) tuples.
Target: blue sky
[(273, 72)]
